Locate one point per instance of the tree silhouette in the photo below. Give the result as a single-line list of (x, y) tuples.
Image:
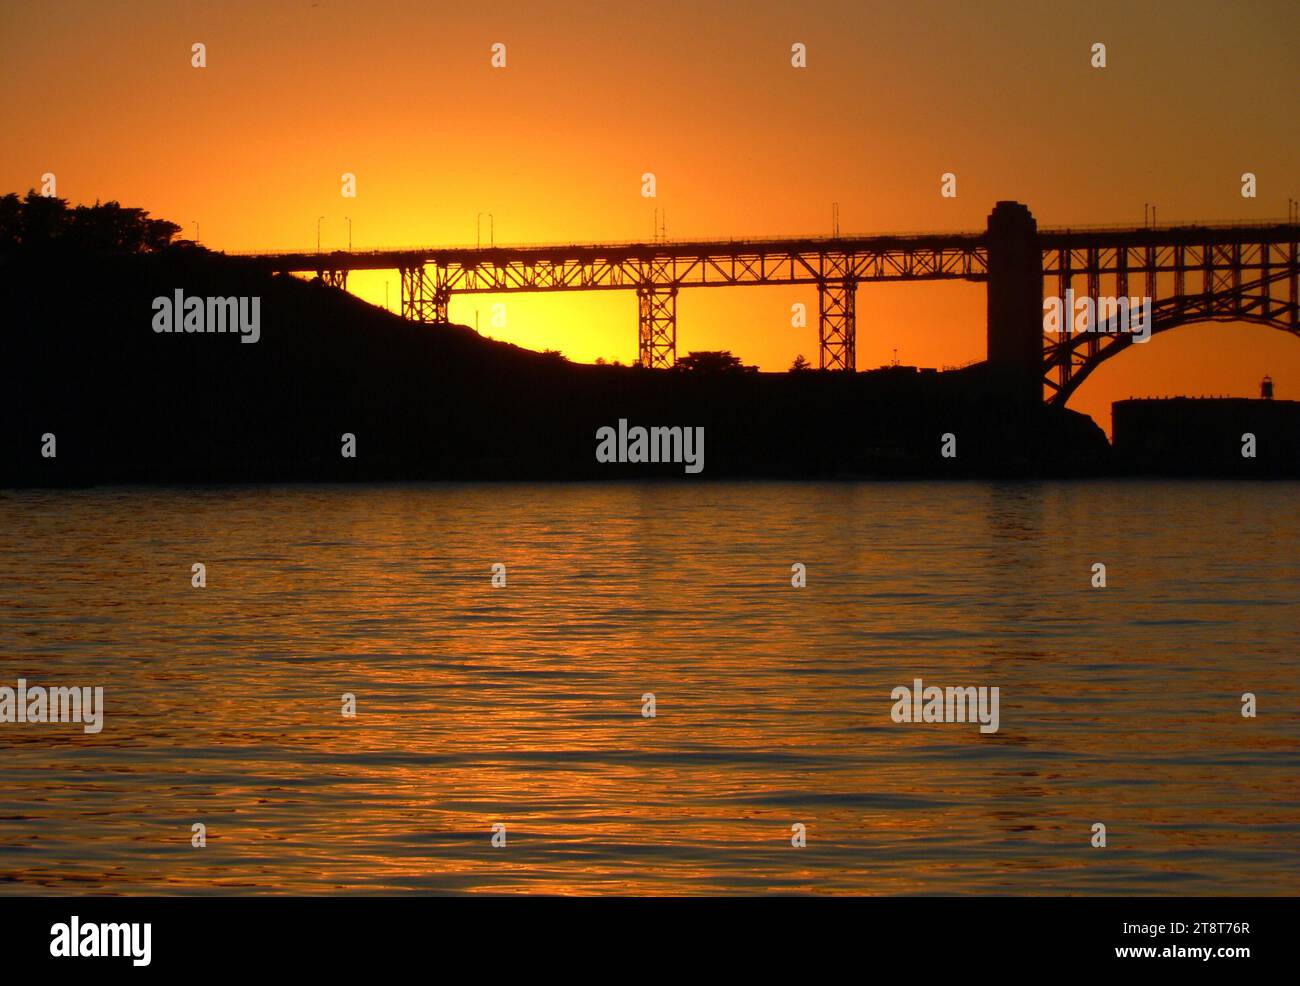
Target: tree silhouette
[(712, 362), (39, 223), (800, 364)]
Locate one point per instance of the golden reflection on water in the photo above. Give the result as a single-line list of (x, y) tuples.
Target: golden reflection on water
[(522, 705)]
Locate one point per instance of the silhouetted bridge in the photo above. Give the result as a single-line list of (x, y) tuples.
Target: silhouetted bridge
[(1192, 273)]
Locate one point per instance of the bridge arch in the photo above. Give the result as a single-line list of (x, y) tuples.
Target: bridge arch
[(1069, 359)]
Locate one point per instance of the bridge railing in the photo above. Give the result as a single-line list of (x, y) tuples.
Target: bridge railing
[(612, 244), (1170, 226), (752, 240)]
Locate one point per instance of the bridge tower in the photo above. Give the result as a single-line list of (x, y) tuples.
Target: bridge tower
[(657, 324), (837, 324), (423, 301), (334, 278), (1015, 298)]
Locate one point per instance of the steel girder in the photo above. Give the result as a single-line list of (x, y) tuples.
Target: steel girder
[(657, 325)]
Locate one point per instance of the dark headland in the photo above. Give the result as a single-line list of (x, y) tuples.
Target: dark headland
[(127, 404)]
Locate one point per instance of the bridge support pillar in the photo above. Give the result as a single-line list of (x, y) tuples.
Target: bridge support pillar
[(837, 308), (1015, 299), (334, 278), (1295, 286), (422, 299), (657, 325)]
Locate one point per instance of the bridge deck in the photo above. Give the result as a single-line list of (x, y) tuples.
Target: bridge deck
[(1243, 271), (1049, 238)]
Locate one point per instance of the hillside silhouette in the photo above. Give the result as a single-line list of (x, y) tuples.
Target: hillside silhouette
[(128, 404)]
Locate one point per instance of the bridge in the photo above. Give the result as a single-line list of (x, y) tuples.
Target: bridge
[(1244, 272)]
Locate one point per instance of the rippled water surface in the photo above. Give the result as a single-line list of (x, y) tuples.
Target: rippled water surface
[(522, 705)]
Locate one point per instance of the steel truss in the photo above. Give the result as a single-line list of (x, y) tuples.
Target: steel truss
[(334, 278), (837, 325), (1234, 281), (423, 298), (1192, 273), (657, 324)]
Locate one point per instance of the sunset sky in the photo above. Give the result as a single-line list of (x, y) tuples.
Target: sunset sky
[(252, 147)]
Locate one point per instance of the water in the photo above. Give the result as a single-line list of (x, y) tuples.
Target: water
[(522, 705)]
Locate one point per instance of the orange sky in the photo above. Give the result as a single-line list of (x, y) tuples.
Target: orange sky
[(700, 93)]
